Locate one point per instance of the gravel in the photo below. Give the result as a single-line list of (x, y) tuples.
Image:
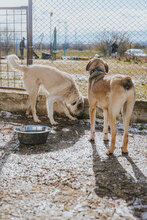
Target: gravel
[(69, 177)]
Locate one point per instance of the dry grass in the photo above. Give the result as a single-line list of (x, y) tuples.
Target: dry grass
[(138, 71)]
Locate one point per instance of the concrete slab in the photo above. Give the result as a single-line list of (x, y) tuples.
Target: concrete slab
[(16, 101)]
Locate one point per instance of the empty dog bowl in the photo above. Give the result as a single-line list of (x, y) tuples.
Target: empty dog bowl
[(32, 134)]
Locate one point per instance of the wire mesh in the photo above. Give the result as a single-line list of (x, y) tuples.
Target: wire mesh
[(13, 29), (66, 34)]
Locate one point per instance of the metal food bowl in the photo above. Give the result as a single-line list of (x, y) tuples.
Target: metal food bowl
[(32, 134)]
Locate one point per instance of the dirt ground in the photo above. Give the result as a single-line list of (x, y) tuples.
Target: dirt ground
[(69, 177)]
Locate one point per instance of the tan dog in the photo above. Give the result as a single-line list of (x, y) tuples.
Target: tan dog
[(112, 94), (59, 86)]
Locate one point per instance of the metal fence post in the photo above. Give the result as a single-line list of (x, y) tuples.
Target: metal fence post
[(29, 34)]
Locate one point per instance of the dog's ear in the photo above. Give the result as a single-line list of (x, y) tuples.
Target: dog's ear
[(88, 65), (106, 67)]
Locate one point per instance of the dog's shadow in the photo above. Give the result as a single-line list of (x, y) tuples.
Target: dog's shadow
[(113, 181)]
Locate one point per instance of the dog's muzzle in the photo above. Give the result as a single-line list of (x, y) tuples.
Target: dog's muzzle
[(80, 109), (80, 116)]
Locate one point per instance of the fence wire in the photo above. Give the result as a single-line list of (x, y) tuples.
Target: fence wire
[(66, 34), (13, 28)]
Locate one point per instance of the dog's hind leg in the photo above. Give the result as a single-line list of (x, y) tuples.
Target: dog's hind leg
[(105, 129), (127, 111), (50, 104), (112, 118), (115, 106), (92, 112)]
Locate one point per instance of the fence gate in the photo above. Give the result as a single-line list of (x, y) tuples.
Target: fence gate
[(14, 39)]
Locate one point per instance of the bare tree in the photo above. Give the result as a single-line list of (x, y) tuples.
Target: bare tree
[(108, 37), (7, 44)]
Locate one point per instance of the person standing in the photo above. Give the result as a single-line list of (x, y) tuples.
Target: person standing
[(21, 47), (114, 47)]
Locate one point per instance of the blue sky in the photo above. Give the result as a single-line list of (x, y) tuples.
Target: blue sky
[(87, 20)]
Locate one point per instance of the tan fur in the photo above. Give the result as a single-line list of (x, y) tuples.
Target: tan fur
[(111, 94), (59, 86)]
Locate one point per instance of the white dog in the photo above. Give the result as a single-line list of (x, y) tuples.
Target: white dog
[(59, 86)]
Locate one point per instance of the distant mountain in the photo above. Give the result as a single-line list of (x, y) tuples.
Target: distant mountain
[(89, 37), (142, 43)]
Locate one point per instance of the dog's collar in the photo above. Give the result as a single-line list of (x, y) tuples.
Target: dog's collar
[(95, 70)]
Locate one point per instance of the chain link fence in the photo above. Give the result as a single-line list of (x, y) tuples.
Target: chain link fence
[(67, 33)]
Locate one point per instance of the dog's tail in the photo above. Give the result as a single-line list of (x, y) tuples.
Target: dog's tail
[(127, 83), (12, 62)]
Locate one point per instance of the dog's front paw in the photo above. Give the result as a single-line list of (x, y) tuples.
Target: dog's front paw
[(29, 116), (124, 150), (37, 120), (91, 139), (110, 151), (54, 123), (73, 118)]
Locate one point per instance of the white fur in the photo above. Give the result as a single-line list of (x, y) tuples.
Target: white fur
[(59, 85)]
